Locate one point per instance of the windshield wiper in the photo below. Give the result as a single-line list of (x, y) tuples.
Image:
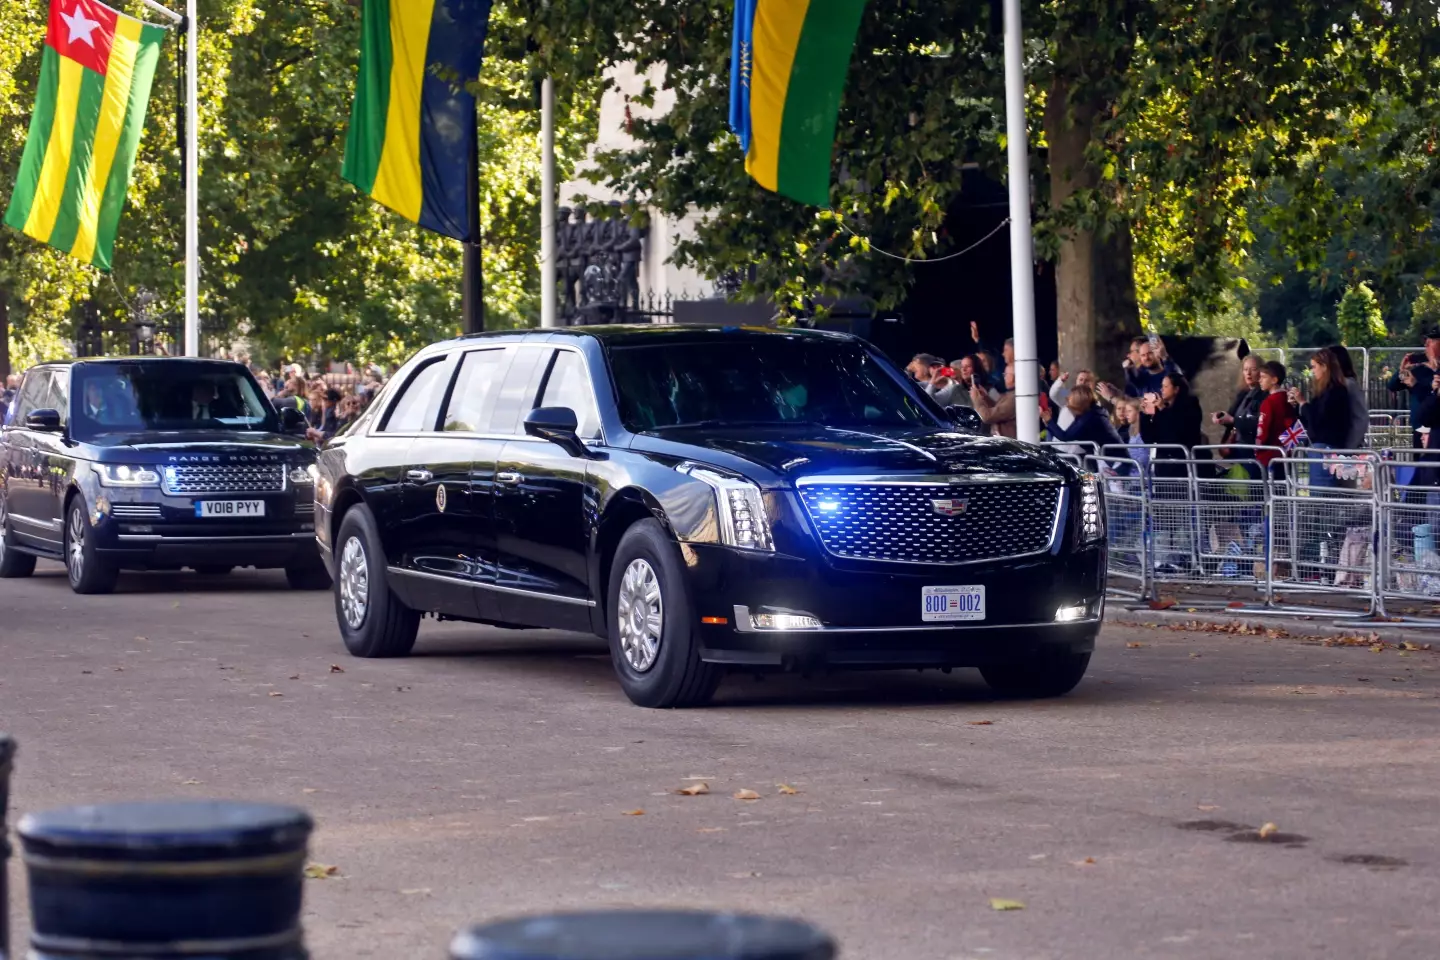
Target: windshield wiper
[(717, 422)]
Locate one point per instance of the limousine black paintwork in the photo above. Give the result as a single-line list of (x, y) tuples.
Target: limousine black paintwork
[(532, 518), (57, 502)]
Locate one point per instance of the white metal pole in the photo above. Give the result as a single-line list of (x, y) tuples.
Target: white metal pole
[(1022, 266), (192, 185), (547, 203)]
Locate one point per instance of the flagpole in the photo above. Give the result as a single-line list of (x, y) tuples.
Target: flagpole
[(547, 203), (1022, 257), (472, 267), (192, 186)]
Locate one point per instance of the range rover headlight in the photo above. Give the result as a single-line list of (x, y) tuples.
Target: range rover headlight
[(741, 509), (127, 475), (1092, 509), (303, 475)]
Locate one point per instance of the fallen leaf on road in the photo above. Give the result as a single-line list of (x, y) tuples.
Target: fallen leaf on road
[(786, 789), (336, 668), (321, 871), (711, 830), (87, 671), (1133, 645), (1235, 605), (746, 795), (996, 903), (1039, 856), (189, 783), (415, 891), (744, 876), (308, 790), (1164, 603), (706, 779), (694, 790), (1268, 830), (634, 813), (1087, 862), (1206, 807), (142, 639), (1194, 656), (1189, 609), (276, 693), (1363, 679), (981, 723), (295, 677)]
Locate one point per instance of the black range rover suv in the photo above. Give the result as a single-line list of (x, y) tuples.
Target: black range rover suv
[(708, 498), (153, 463)]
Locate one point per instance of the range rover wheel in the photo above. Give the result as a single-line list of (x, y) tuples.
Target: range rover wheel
[(13, 563), (652, 628), (89, 572), (1046, 675), (308, 575), (373, 621)]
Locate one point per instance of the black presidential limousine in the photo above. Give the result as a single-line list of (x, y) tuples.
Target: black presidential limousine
[(154, 463), (708, 498)]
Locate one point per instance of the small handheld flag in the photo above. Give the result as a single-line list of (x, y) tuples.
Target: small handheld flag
[(412, 125), (95, 75), (1294, 436), (787, 75)]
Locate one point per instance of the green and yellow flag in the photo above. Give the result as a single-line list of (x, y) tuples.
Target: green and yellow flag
[(95, 78)]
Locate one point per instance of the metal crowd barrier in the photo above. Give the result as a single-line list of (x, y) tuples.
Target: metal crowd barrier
[(1252, 529)]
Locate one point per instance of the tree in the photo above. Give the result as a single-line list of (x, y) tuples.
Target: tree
[(1424, 313), (1359, 319)]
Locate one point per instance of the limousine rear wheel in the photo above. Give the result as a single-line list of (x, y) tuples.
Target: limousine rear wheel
[(1051, 674), (13, 563), (652, 628), (89, 572), (373, 622)]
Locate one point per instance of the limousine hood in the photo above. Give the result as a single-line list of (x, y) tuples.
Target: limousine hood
[(218, 446), (795, 451)]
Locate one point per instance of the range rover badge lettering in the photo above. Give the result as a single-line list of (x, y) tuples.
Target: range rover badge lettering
[(949, 508)]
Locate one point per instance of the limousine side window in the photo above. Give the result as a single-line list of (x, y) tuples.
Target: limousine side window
[(568, 385), (473, 396), (419, 398), (517, 393)]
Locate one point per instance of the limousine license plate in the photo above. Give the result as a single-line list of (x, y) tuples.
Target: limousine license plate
[(230, 509), (952, 603)]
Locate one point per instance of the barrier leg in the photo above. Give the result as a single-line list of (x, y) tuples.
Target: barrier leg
[(644, 935), (7, 756)]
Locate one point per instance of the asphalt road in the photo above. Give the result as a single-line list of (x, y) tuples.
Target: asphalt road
[(496, 772)]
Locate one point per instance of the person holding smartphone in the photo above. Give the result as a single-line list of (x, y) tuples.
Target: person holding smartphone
[(1326, 414), (1242, 419)]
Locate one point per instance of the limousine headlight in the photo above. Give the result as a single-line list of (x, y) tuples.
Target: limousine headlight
[(741, 509), (1092, 509), (126, 475)]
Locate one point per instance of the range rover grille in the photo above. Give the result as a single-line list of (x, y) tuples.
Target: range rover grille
[(201, 478), (933, 522)]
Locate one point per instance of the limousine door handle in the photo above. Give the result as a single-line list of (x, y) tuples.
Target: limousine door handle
[(509, 479), (419, 476)]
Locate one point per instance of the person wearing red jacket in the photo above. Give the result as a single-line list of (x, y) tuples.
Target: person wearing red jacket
[(1276, 414)]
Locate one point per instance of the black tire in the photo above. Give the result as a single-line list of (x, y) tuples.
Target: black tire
[(308, 575), (89, 572), (1051, 674), (674, 675), (213, 569), (384, 627), (13, 563)]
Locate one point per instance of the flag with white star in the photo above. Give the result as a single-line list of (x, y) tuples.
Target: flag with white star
[(95, 76)]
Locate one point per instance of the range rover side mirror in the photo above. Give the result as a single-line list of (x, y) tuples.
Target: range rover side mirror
[(44, 419), (291, 420), (559, 426), (966, 418)]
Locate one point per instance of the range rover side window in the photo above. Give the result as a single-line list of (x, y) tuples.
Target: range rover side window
[(517, 393), (568, 385), (59, 397), (25, 400), (421, 394), (473, 397)]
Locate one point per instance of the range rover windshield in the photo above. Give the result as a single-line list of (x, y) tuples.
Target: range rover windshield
[(167, 396), (760, 382)]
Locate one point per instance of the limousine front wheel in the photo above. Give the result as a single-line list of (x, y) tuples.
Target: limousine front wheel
[(652, 631), (373, 621), (1051, 674)]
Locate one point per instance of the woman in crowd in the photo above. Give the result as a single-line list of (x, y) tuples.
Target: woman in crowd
[(1090, 425), (1359, 410), (1276, 415), (1326, 415), (1173, 417), (999, 413), (1242, 419)]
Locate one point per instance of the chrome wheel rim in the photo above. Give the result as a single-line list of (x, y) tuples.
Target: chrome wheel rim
[(641, 612), (4, 509), (354, 582), (75, 555)]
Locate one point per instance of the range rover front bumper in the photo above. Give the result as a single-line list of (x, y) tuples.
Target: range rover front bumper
[(149, 529), (871, 617)]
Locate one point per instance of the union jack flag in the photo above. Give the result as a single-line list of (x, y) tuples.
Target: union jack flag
[(1294, 436)]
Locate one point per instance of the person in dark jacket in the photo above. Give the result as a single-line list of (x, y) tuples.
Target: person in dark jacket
[(1359, 409), (1172, 418), (1090, 425), (1242, 420), (1326, 414)]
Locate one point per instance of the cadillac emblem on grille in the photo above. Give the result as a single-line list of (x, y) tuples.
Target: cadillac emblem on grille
[(949, 508)]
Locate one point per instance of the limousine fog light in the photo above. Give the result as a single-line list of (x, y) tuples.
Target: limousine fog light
[(1072, 613), (126, 475), (774, 621)]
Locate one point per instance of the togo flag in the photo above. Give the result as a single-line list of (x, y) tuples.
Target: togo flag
[(95, 76), (412, 124), (787, 74)]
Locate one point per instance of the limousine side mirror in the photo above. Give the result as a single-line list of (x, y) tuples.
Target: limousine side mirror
[(292, 420), (44, 419), (966, 418), (559, 426)]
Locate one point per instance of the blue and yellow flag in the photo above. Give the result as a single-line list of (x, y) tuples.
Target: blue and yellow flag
[(787, 75), (412, 125)]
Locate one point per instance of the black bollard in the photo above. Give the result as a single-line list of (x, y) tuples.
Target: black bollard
[(170, 879), (7, 756), (644, 935)]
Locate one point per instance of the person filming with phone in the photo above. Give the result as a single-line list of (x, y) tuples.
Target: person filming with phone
[(1326, 415)]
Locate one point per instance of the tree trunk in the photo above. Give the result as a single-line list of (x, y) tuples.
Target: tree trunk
[(1095, 273)]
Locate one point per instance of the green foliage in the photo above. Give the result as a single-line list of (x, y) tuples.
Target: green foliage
[(1424, 313), (1359, 319)]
